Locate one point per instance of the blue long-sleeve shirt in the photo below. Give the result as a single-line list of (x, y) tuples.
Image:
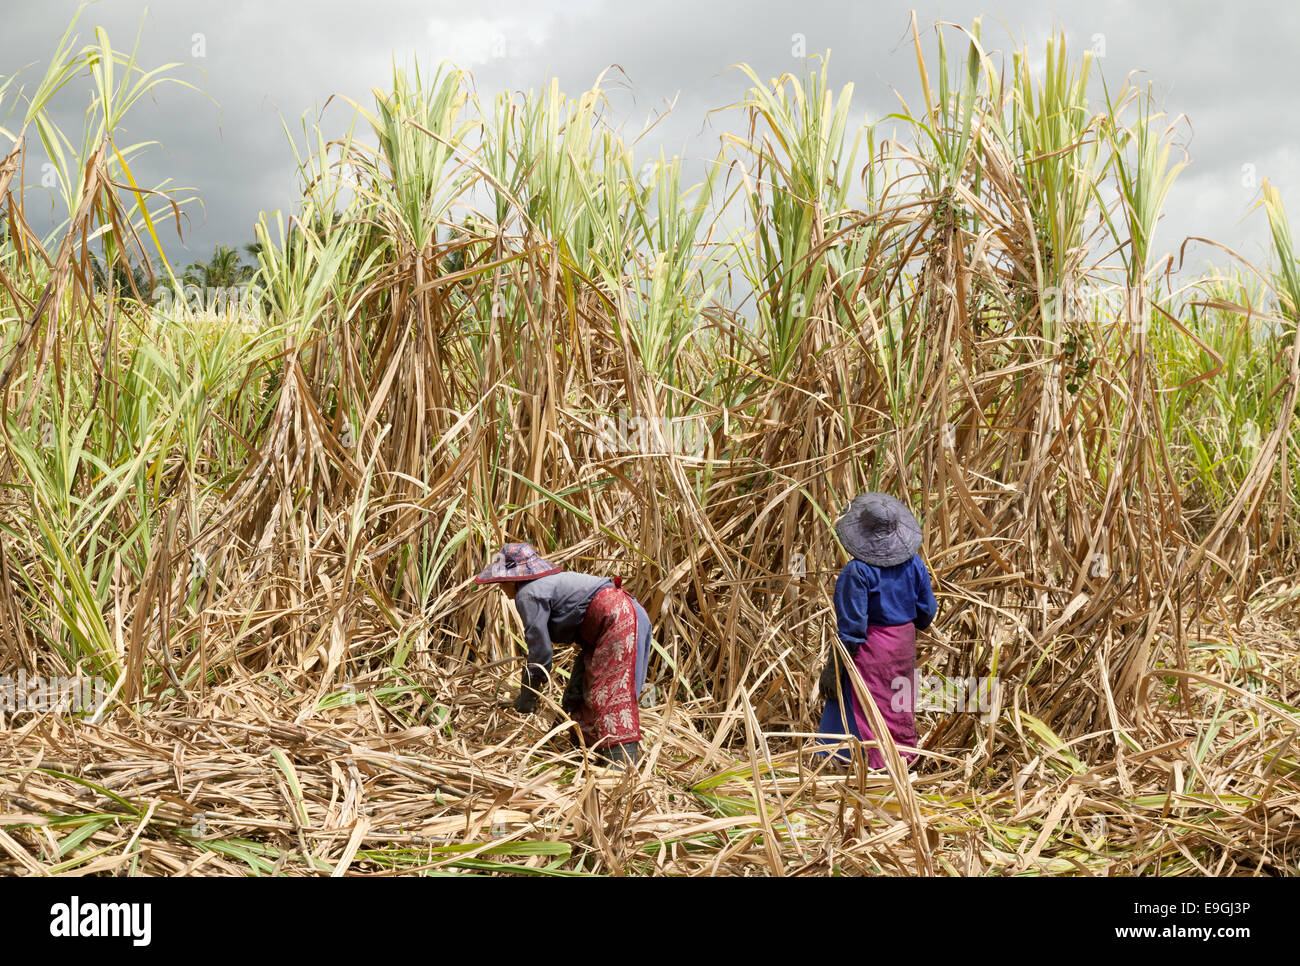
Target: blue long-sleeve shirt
[(885, 596)]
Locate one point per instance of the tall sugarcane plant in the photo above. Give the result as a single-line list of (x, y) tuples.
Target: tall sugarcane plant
[(511, 320)]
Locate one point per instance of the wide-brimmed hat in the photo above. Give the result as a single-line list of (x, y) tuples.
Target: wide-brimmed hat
[(879, 530), (516, 561)]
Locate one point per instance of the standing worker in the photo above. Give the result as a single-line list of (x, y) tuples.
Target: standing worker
[(882, 597), (613, 630)]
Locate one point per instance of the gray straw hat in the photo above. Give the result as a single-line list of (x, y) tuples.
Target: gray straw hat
[(879, 530)]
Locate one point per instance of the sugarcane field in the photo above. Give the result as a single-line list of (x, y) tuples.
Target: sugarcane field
[(880, 487)]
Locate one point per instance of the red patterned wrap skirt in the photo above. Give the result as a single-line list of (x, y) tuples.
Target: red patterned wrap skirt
[(608, 714)]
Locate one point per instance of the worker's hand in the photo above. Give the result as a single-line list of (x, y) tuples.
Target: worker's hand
[(530, 685), (573, 699), (830, 673)]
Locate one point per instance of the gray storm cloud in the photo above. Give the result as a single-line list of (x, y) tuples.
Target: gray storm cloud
[(1231, 69)]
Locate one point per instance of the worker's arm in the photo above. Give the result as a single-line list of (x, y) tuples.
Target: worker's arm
[(573, 695), (852, 592), (535, 612), (926, 605)]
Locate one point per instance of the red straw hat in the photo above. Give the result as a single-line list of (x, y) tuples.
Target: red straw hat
[(516, 561)]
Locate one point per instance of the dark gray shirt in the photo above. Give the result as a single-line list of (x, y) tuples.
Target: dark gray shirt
[(552, 609)]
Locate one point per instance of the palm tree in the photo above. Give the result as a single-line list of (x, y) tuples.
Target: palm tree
[(223, 270)]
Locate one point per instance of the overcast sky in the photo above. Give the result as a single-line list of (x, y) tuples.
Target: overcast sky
[(1231, 68)]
